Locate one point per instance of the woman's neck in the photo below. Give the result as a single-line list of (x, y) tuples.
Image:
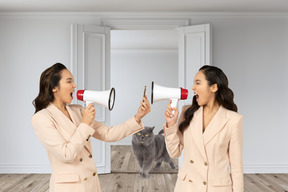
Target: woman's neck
[(211, 107), (60, 105), (209, 112)]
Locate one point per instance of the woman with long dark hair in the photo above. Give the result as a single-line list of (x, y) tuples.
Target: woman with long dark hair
[(65, 131), (210, 131)]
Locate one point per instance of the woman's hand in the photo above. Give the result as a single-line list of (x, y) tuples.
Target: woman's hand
[(89, 114), (143, 109), (171, 119)]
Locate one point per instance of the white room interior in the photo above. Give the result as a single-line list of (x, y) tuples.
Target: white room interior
[(250, 48)]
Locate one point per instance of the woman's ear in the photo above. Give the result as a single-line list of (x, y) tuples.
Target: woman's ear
[(54, 90), (214, 88)]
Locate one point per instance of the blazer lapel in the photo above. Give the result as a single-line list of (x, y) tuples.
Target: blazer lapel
[(75, 118), (216, 125), (196, 127), (67, 127)]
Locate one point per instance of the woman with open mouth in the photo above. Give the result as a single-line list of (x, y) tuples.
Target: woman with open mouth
[(210, 131), (66, 131)]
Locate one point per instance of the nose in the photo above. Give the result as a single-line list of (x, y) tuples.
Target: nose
[(193, 87), (74, 85)]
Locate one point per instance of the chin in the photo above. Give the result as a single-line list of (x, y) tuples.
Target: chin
[(202, 103), (199, 103), (69, 102)]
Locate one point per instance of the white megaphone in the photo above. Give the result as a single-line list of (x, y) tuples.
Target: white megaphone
[(163, 93), (105, 98)]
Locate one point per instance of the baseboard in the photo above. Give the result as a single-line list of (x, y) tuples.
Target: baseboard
[(31, 169), (25, 169), (253, 169), (248, 169)]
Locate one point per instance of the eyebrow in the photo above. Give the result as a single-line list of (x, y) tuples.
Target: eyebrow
[(69, 78), (197, 80)]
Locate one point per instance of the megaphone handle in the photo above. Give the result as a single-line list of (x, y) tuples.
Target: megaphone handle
[(174, 104), (88, 103)]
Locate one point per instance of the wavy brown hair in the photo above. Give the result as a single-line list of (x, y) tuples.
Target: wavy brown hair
[(49, 79), (224, 95)]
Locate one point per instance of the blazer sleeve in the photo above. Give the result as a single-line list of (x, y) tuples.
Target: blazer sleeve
[(117, 132), (65, 150), (235, 156), (174, 138)]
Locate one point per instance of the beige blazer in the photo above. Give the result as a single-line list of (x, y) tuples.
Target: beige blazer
[(205, 165), (69, 147)]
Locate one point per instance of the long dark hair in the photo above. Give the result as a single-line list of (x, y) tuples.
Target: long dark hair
[(224, 95), (49, 79)]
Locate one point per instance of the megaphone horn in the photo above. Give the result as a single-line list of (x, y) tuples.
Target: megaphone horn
[(104, 98)]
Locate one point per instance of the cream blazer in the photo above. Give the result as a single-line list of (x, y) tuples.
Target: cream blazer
[(205, 165), (69, 147)]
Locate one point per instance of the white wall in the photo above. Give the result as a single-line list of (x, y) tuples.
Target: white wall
[(252, 51), (254, 54), (27, 47)]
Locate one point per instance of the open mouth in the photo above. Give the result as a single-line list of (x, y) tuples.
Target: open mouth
[(197, 97), (71, 94)]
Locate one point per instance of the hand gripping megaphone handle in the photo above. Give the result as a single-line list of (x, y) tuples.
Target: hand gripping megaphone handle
[(88, 103), (174, 104)]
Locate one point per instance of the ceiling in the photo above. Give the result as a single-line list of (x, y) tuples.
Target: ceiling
[(144, 39), (144, 6)]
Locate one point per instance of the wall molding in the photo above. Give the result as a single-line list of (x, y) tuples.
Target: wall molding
[(137, 15)]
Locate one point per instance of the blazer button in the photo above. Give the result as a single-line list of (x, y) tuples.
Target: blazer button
[(204, 183), (88, 138), (80, 159), (85, 179), (90, 156), (94, 173), (191, 161), (205, 163)]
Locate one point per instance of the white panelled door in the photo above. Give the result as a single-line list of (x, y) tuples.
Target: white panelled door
[(91, 70), (194, 52)]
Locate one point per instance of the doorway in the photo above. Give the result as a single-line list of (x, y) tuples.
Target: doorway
[(194, 51), (139, 57)]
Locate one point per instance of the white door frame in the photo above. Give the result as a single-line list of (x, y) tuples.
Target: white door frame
[(194, 48), (145, 23), (85, 39), (183, 26)]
